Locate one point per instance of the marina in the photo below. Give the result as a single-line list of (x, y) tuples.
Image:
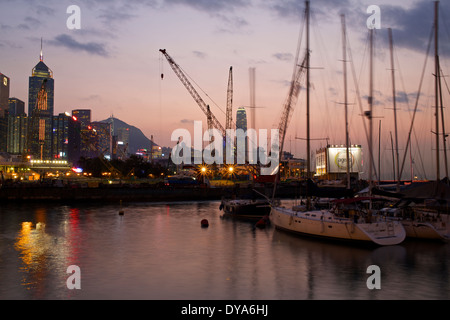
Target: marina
[(94, 210)]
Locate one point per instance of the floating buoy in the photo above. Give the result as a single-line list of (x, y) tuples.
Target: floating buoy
[(121, 212), (204, 223), (262, 223)]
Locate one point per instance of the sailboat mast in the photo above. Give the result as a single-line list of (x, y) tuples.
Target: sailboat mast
[(436, 62), (370, 100), (444, 135), (344, 59), (308, 138), (396, 172)]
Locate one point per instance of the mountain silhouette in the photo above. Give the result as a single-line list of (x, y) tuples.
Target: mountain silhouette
[(137, 139)]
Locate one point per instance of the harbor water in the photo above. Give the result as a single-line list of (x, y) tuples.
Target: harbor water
[(159, 251)]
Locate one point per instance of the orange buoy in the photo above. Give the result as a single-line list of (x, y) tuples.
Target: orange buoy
[(262, 222)]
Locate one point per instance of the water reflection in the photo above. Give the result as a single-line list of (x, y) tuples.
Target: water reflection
[(34, 245), (160, 251), (325, 270)]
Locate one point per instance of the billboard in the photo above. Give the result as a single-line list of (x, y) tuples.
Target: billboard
[(337, 159)]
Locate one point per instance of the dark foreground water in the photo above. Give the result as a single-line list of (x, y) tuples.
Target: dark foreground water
[(159, 251)]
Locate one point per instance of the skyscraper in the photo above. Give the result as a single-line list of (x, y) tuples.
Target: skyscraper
[(40, 110), (16, 107), (4, 97), (241, 123), (102, 141), (17, 134), (66, 137), (241, 119), (84, 117)]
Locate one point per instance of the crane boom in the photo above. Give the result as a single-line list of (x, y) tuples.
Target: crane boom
[(291, 101), (205, 108), (229, 121)]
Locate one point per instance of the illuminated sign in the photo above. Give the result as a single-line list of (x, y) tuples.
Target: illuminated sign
[(337, 159), (340, 160), (5, 81)]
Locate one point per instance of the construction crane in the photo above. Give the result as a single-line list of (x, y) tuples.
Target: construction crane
[(291, 101), (212, 120), (229, 120)]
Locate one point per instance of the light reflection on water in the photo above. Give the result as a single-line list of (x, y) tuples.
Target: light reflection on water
[(159, 251)]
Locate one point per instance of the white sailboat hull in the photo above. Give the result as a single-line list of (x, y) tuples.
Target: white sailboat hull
[(322, 223), (426, 230), (427, 225)]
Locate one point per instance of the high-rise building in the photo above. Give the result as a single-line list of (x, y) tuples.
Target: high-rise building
[(66, 140), (4, 97), (123, 139), (16, 107), (241, 123), (102, 141), (40, 110), (84, 117), (241, 119), (17, 134)]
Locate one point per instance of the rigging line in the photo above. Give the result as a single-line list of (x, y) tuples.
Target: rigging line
[(417, 101), (161, 71), (184, 71), (376, 174), (445, 81), (293, 79), (409, 111), (358, 94), (326, 59), (299, 42), (296, 61), (444, 21)]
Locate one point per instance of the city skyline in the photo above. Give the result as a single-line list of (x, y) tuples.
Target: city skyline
[(112, 64)]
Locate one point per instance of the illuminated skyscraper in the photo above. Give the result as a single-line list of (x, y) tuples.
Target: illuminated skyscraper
[(40, 111), (102, 141), (84, 117), (241, 119), (4, 97), (17, 134), (241, 123), (66, 138)]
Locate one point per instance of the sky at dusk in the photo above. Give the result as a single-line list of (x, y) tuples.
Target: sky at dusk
[(112, 65)]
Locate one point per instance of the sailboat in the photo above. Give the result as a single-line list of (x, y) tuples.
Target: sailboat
[(420, 218), (348, 219)]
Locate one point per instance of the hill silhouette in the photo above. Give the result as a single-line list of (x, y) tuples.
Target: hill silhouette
[(137, 139)]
